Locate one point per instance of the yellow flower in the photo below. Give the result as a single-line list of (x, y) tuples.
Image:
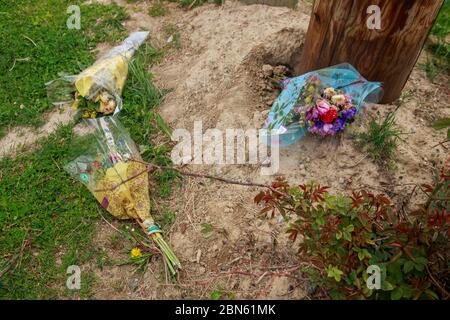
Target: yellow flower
[(136, 253), (86, 114)]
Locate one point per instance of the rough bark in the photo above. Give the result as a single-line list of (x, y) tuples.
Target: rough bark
[(338, 32)]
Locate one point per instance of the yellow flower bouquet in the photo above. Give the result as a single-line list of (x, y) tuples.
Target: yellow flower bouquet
[(97, 90), (114, 172)]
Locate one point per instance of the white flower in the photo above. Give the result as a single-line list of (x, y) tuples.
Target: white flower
[(338, 99), (329, 92)]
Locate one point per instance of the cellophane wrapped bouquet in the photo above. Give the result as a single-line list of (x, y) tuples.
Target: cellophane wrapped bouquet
[(112, 169), (97, 90), (322, 103)]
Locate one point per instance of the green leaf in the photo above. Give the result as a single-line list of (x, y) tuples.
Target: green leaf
[(216, 295), (338, 235), (334, 272), (350, 228), (320, 221), (362, 254), (432, 294), (397, 293), (441, 123), (347, 236), (207, 229), (386, 286), (422, 260), (408, 266), (419, 267), (162, 125)]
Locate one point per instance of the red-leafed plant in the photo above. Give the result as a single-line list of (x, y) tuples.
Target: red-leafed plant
[(342, 235)]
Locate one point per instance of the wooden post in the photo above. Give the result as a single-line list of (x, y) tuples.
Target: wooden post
[(339, 32)]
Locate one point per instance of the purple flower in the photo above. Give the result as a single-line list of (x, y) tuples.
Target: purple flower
[(350, 114)]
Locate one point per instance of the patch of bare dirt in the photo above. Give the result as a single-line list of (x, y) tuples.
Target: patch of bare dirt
[(24, 138)]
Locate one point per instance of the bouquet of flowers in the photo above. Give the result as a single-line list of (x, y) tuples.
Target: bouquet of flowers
[(96, 91), (321, 102), (113, 171), (324, 111)]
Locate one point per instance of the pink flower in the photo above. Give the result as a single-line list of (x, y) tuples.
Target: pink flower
[(322, 106)]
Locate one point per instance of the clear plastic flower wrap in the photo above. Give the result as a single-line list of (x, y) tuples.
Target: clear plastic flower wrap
[(97, 90), (322, 102), (112, 169)]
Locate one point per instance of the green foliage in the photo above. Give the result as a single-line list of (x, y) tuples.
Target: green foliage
[(222, 295), (173, 35), (192, 3), (166, 218), (47, 219), (380, 141), (438, 63), (441, 27), (40, 205), (158, 9), (140, 100), (342, 235), (207, 229), (443, 123), (37, 45)]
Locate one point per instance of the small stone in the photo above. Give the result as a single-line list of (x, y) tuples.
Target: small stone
[(267, 70), (199, 254), (280, 70), (228, 210), (133, 283)]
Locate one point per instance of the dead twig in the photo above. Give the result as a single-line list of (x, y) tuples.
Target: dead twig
[(29, 39), (152, 167), (444, 292)]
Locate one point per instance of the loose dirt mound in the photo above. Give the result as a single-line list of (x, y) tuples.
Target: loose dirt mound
[(225, 76)]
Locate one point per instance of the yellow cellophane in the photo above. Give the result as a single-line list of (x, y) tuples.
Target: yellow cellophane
[(110, 73), (125, 199)]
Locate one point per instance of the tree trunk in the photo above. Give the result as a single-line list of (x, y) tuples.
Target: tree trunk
[(338, 32)]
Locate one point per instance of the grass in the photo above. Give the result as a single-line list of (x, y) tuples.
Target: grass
[(47, 219), (158, 9), (37, 45), (173, 34), (438, 62), (380, 141), (39, 203), (197, 3)]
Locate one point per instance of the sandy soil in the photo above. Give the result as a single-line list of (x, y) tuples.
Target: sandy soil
[(222, 75), (24, 138)]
